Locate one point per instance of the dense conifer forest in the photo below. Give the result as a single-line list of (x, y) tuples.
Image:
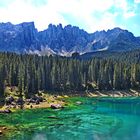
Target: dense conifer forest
[(32, 73)]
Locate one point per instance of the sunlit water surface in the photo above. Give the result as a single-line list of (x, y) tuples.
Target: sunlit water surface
[(94, 119)]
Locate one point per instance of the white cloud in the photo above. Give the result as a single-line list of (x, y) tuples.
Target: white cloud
[(44, 12), (129, 14), (137, 1), (21, 11), (125, 9), (121, 4)]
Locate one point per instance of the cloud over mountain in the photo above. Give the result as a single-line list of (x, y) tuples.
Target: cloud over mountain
[(90, 15)]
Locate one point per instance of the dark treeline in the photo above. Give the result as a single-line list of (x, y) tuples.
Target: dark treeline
[(32, 73)]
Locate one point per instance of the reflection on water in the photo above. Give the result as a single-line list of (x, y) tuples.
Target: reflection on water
[(95, 119)]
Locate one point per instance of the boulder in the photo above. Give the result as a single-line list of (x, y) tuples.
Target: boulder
[(20, 101), (5, 111), (40, 99), (28, 103), (9, 100), (56, 106), (37, 102), (35, 99), (32, 101)]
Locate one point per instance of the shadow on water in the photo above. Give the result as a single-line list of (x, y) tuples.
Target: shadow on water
[(128, 106)]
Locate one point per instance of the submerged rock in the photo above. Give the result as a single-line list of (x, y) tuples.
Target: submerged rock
[(78, 103), (52, 117)]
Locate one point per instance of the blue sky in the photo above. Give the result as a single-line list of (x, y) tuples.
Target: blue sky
[(90, 15)]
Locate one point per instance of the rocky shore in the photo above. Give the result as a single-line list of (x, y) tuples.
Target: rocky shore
[(45, 101), (57, 101)]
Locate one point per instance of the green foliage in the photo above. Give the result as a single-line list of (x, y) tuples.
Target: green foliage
[(32, 73)]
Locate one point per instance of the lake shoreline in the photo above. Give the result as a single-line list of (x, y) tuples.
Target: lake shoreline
[(58, 98), (114, 93), (63, 100)]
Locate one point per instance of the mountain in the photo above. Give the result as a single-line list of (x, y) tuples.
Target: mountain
[(25, 38), (18, 38)]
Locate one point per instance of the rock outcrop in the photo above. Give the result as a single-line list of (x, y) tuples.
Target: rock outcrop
[(56, 106)]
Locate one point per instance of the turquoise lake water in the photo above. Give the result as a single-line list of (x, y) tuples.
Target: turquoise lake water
[(94, 119)]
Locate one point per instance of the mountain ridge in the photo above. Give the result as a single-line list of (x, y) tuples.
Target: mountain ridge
[(64, 41)]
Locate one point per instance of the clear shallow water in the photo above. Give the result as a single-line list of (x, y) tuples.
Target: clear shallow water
[(95, 119)]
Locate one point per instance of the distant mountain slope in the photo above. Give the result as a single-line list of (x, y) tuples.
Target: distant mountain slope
[(24, 38), (133, 55)]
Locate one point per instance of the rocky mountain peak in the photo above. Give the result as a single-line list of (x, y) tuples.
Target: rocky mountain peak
[(24, 38)]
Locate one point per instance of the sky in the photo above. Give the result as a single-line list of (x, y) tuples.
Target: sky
[(90, 15)]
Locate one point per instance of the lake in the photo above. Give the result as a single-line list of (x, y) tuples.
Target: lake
[(94, 119)]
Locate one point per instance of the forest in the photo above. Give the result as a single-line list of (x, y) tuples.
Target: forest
[(33, 73)]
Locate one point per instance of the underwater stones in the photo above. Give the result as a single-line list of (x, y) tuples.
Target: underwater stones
[(52, 117), (78, 103)]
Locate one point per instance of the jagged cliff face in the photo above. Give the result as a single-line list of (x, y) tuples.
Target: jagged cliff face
[(24, 38), (18, 38), (64, 40)]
